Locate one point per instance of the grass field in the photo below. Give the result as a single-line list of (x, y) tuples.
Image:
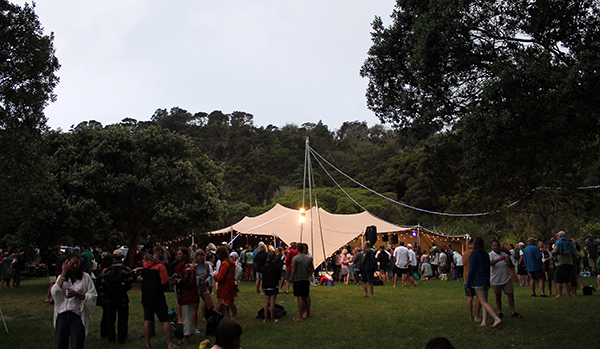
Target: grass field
[(342, 318)]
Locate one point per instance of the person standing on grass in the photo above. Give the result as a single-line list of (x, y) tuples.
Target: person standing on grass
[(289, 256), (226, 292), (203, 276), (259, 262), (412, 266), (270, 286), (565, 255), (500, 279), (535, 267), (368, 267), (187, 290), (401, 260), (479, 279), (357, 264), (548, 260), (302, 268), (457, 263), (74, 297), (154, 283), (383, 258), (116, 281), (470, 292)]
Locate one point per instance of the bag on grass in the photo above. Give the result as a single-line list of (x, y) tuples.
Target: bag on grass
[(212, 321), (279, 312), (588, 290), (176, 329), (377, 282)]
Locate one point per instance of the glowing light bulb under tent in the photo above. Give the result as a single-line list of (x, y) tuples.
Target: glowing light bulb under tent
[(414, 233), (302, 216)]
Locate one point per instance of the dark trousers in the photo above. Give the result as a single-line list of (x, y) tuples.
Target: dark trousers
[(69, 324), (112, 310)]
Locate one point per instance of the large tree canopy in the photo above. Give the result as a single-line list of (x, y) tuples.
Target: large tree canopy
[(517, 79), (442, 59), (118, 183), (28, 69)]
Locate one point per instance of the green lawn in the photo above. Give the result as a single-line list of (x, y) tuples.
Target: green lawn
[(342, 318)]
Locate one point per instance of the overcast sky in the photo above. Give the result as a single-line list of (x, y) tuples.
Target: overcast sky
[(284, 61)]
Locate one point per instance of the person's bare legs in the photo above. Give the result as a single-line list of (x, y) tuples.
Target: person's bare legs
[(167, 331), (273, 298), (532, 285), (364, 285), (147, 331), (487, 308), (499, 302), (470, 307), (559, 289), (300, 309), (233, 307), (395, 280), (307, 302)]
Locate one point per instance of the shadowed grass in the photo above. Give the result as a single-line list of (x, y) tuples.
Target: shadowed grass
[(342, 318)]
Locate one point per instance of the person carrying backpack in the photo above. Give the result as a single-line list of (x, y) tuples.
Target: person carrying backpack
[(116, 281)]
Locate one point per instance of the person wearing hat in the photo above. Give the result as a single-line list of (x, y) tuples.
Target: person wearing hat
[(521, 270), (535, 267), (117, 279)]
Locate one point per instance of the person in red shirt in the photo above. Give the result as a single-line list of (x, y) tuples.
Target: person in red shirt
[(154, 283), (291, 253), (226, 290)]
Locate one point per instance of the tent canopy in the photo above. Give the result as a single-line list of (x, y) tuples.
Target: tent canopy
[(284, 223), (281, 225)]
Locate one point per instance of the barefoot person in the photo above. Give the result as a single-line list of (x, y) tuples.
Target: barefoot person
[(479, 279), (302, 267)]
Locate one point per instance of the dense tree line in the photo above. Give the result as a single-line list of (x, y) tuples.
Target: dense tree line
[(492, 106)]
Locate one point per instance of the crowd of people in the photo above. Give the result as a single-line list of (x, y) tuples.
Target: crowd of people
[(82, 278)]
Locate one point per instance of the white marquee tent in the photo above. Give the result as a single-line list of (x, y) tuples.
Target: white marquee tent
[(284, 223)]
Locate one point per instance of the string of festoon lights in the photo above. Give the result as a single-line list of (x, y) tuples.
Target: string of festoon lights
[(317, 155)]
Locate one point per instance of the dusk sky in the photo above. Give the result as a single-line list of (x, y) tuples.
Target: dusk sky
[(282, 61)]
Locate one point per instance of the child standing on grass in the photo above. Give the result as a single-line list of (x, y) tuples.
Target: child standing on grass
[(270, 285)]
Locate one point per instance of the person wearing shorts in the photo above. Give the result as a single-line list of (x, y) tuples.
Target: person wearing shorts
[(154, 282), (535, 267), (565, 256), (500, 279), (302, 268), (401, 260)]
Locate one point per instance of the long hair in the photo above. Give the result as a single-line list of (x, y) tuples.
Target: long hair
[(270, 258), (77, 274)]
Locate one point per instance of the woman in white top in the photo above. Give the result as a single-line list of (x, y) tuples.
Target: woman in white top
[(74, 297)]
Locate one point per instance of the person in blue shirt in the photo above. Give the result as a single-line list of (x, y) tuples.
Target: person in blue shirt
[(479, 279), (535, 267)]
